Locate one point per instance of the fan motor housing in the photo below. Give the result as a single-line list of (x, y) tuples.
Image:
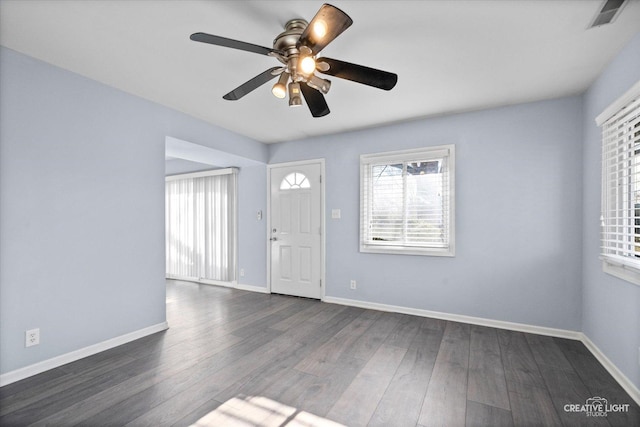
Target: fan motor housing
[(287, 40)]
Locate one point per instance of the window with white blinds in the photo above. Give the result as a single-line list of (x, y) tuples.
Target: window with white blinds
[(200, 216), (407, 202), (620, 232)]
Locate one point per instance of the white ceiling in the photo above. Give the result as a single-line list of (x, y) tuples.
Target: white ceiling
[(450, 56)]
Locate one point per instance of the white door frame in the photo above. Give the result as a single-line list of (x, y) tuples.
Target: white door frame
[(322, 218)]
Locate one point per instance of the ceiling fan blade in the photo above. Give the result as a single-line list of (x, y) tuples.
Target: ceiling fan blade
[(359, 73), (328, 24), (252, 84), (315, 101), (234, 44)]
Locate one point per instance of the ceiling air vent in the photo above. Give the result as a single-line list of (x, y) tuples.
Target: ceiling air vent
[(609, 10)]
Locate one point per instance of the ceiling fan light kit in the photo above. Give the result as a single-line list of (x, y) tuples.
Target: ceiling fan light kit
[(279, 89), (295, 100), (296, 48)]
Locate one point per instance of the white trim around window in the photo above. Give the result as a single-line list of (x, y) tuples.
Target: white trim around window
[(620, 217), (407, 202)]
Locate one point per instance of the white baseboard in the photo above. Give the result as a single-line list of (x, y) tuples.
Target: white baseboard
[(55, 362), (512, 326), (201, 281), (234, 284), (616, 373), (252, 288)]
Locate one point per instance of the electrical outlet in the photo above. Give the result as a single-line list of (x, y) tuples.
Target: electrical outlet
[(353, 284), (32, 337), (242, 272)]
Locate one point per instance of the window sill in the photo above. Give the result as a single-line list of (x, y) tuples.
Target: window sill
[(402, 250), (621, 271)]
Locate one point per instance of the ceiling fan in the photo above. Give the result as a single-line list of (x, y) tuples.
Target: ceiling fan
[(297, 48)]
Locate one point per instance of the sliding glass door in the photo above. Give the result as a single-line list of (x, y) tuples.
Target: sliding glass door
[(201, 226)]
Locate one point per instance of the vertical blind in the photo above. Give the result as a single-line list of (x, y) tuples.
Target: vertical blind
[(201, 227), (621, 186), (406, 200)]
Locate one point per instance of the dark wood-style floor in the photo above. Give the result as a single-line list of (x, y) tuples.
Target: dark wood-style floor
[(242, 358)]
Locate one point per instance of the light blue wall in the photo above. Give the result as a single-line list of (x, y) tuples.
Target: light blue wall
[(252, 232), (611, 307), (518, 215), (82, 208)]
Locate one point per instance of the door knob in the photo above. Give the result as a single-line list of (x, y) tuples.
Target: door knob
[(273, 239)]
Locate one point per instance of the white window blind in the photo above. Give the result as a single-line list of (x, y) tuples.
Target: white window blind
[(621, 186), (407, 202), (201, 226)]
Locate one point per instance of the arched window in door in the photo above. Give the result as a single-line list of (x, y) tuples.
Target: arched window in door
[(295, 181)]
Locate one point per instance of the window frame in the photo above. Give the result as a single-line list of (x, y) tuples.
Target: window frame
[(304, 184), (622, 267), (446, 152)]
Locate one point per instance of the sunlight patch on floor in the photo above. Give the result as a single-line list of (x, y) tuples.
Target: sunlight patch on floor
[(254, 411)]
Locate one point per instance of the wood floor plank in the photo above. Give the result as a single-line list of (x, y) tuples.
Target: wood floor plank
[(566, 387), (173, 409), (56, 402), (329, 311), (307, 334), (531, 405), (369, 342), (404, 332), (280, 386), (600, 383), (446, 398), (256, 380), (20, 397), (200, 412), (317, 395), (487, 383), (273, 315), (94, 404), (308, 312), (27, 386), (563, 383), (519, 364), (311, 334), (481, 415), (246, 411), (546, 352), (208, 386), (528, 396), (402, 401), (433, 324), (320, 362), (60, 398), (358, 402), (140, 403)]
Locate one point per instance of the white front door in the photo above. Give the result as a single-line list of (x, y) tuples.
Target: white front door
[(296, 229)]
